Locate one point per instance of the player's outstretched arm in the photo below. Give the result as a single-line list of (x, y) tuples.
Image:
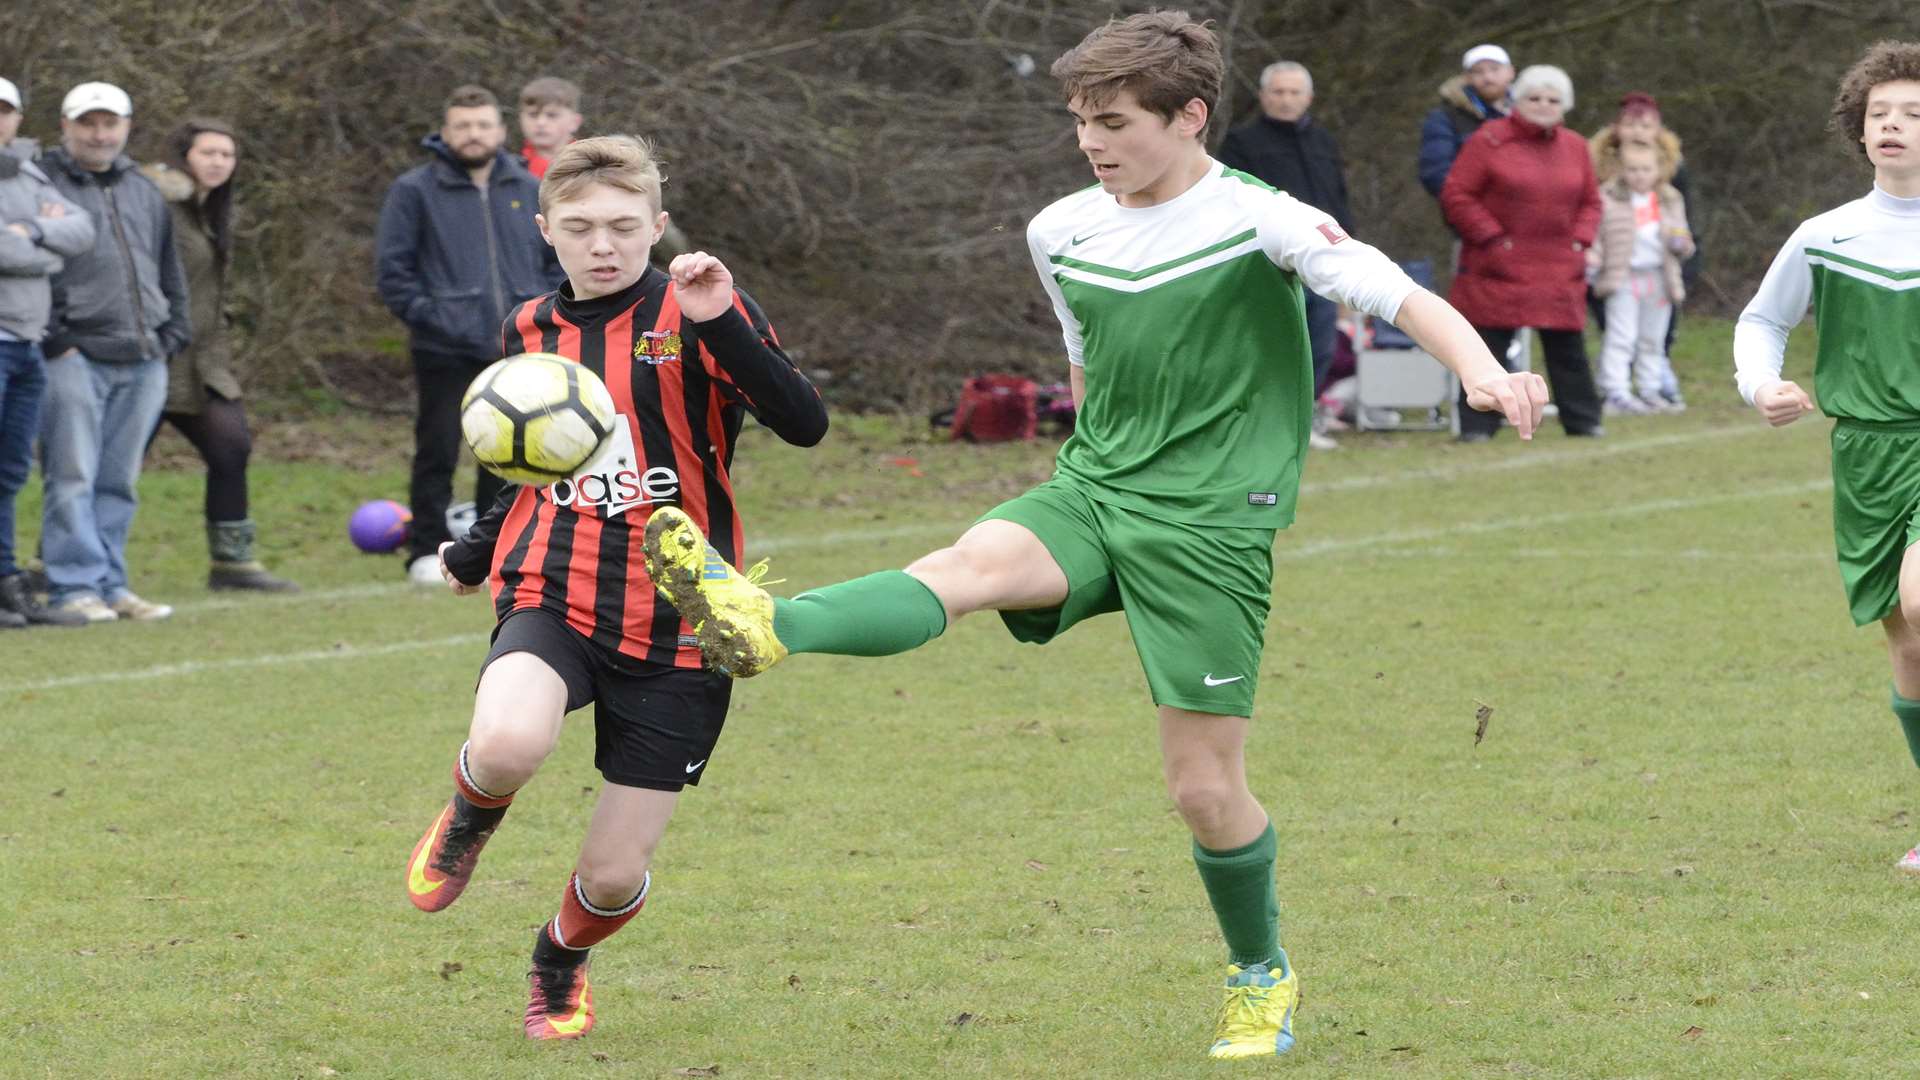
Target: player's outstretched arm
[(1445, 333)]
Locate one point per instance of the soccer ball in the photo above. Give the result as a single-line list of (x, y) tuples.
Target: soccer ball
[(536, 418)]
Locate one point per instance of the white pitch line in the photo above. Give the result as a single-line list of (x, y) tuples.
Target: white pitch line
[(1339, 546), (1619, 554), (773, 545), (1308, 550), (195, 667), (1535, 459)]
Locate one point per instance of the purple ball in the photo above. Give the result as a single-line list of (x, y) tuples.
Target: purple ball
[(379, 526)]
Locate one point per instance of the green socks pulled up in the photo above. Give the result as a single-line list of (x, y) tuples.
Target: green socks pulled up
[(877, 615), (1240, 887)]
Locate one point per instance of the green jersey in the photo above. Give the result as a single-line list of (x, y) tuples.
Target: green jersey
[(1858, 265), (1188, 322)]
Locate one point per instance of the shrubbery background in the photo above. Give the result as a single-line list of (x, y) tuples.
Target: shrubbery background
[(868, 167)]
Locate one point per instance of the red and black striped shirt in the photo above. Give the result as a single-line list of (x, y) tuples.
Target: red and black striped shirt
[(682, 389)]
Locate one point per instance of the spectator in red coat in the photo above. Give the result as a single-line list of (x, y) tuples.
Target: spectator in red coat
[(1522, 198)]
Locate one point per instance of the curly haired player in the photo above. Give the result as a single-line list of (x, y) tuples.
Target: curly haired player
[(1858, 265)]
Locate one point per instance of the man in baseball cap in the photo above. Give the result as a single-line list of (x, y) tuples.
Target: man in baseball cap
[(10, 115), (120, 311), (1477, 94), (91, 96)]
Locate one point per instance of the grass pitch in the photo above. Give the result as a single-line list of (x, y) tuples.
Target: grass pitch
[(1670, 855)]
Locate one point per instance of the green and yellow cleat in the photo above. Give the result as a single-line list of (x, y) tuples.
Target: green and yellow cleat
[(731, 615), (1256, 1019)]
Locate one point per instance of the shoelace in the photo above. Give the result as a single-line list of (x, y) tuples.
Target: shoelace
[(1240, 1013), (756, 575)]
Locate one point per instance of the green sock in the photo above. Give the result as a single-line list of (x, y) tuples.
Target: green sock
[(1908, 711), (877, 615), (1240, 887)]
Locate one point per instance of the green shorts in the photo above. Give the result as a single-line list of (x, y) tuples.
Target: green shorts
[(1196, 597), (1876, 511)]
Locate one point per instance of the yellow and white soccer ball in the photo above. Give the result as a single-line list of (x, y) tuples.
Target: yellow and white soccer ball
[(536, 418)]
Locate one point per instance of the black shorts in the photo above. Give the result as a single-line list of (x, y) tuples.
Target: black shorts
[(654, 726)]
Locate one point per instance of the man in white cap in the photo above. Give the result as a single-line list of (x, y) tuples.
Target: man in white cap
[(39, 229), (1467, 100), (119, 311)]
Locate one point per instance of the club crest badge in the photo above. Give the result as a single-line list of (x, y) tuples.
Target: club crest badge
[(658, 347)]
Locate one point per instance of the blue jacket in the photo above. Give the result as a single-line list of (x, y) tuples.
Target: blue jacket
[(1447, 128), (451, 261)]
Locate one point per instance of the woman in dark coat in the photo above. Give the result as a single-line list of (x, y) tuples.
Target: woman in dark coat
[(1523, 200), (203, 388)]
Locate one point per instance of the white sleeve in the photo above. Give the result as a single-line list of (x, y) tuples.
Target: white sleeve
[(1069, 326), (1760, 337), (1310, 243)]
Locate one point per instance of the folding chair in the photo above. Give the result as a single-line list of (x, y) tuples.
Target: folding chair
[(1400, 386)]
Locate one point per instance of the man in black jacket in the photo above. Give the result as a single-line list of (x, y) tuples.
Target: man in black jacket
[(1286, 148), (119, 312), (457, 249)]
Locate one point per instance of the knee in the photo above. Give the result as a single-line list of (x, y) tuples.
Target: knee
[(502, 750), (1905, 648), (611, 880), (1205, 799), (231, 452)]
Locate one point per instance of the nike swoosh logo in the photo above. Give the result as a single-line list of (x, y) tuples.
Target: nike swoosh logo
[(1844, 239), (1211, 681), (696, 765), (572, 1024), (417, 873), (1078, 240)]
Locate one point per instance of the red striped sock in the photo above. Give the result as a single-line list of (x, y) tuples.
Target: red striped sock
[(470, 791), (580, 925)]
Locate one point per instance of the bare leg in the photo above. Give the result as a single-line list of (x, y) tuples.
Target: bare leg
[(1202, 757), (627, 825), (517, 712), (994, 565)]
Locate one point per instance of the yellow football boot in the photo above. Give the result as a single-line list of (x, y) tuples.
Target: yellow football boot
[(731, 615), (1256, 1019)]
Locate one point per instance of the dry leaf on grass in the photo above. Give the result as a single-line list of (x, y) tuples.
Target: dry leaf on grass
[(1481, 715)]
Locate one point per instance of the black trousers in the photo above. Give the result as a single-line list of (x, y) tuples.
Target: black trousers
[(442, 380), (1568, 373), (219, 431)]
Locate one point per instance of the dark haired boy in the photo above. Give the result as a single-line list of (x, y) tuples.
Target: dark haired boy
[(1858, 265), (1177, 283)]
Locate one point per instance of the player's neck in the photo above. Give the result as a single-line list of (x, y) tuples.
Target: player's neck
[(1180, 176), (1899, 183)]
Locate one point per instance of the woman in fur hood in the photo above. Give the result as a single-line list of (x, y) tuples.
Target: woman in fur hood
[(203, 388)]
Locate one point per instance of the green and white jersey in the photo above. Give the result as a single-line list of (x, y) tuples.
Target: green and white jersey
[(1859, 267), (1188, 322)]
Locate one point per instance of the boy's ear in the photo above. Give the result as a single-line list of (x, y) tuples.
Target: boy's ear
[(540, 220)]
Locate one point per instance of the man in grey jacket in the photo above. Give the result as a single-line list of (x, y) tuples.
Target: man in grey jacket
[(38, 228), (119, 311)]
